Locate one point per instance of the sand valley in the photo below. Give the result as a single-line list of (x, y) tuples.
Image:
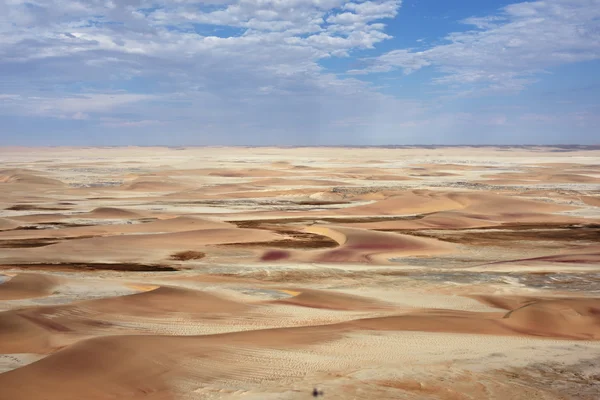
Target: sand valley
[(261, 273)]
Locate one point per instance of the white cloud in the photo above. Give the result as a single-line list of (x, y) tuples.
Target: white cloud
[(253, 68), (507, 50), (72, 107), (88, 103)]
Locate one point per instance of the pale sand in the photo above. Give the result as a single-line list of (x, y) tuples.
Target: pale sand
[(442, 273)]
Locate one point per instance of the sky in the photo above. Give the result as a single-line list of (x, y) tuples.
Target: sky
[(299, 72)]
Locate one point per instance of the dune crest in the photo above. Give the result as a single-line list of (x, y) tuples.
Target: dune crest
[(26, 286)]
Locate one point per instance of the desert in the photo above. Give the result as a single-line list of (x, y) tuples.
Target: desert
[(263, 272)]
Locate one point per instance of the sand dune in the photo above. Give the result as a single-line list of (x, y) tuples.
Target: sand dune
[(44, 329), (398, 273), (135, 247), (440, 220), (163, 302), (413, 202), (7, 224), (148, 367), (40, 218), (592, 201), (363, 246), (331, 300), (249, 173), (433, 174), (25, 286), (20, 334), (576, 318), (453, 167), (587, 257), (178, 224), (144, 185), (389, 177), (424, 201), (27, 177), (295, 182), (493, 204), (110, 213), (543, 177)]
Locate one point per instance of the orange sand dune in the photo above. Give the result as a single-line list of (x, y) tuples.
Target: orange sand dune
[(581, 257), (134, 248), (423, 201), (543, 177), (20, 334), (296, 182), (440, 220), (328, 299), (504, 182), (41, 218), (577, 318), (45, 328), (255, 193), (178, 224), (507, 302), (453, 167), (144, 185), (433, 174), (27, 177), (110, 213), (389, 177), (217, 172), (413, 202), (359, 246), (494, 204), (362, 171), (149, 366), (162, 302), (249, 173), (539, 218), (592, 201), (571, 178), (6, 224), (26, 286), (229, 188)]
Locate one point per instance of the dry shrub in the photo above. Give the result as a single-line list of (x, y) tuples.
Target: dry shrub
[(187, 255)]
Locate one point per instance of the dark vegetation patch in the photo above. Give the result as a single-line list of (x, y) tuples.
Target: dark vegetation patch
[(514, 233), (48, 225), (294, 240), (67, 266), (319, 203), (33, 207), (269, 223), (187, 255), (35, 242)]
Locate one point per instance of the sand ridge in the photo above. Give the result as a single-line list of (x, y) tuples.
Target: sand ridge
[(24, 286)]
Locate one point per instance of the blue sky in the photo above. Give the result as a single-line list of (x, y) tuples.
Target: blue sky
[(299, 72)]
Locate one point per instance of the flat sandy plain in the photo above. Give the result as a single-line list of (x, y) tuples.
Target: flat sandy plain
[(261, 273)]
